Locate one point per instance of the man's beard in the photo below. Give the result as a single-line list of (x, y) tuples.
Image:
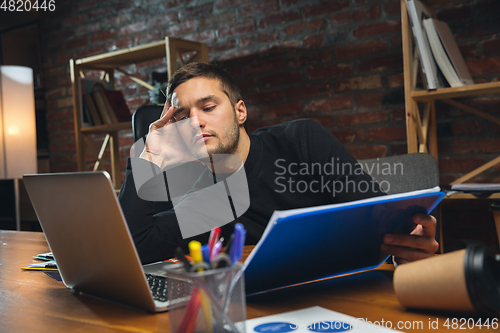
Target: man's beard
[(232, 136)]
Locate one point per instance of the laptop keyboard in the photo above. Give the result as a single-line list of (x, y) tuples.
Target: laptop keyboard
[(158, 286)]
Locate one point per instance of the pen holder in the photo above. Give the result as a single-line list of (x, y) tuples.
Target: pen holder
[(208, 301)]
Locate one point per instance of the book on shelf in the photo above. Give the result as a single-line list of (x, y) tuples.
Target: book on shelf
[(417, 12), (106, 113), (88, 86), (95, 116), (118, 105), (446, 53)]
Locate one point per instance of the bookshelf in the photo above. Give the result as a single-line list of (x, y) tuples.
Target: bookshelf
[(177, 52), (421, 131)]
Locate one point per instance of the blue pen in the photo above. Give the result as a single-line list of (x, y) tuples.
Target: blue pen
[(239, 239), (205, 251)]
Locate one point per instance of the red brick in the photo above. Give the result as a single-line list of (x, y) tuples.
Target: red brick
[(355, 16), (370, 100), (74, 20), (221, 4), (237, 29), (124, 80), (398, 114), (484, 66), (235, 55), (393, 7), (196, 11), (377, 29), (386, 134), (345, 136), (76, 43), (358, 83), (361, 49), (314, 41), (85, 5), (450, 165), (251, 10), (301, 27), (328, 71), (84, 30), (87, 52), (252, 126), (63, 81), (468, 51), (206, 36), (56, 93), (460, 14), (256, 39), (330, 104), (253, 112), (59, 115), (309, 90), (287, 47), (63, 58), (147, 37), (279, 79), (55, 70), (399, 149), (396, 80), (247, 84), (162, 20), (217, 20), (182, 28), (103, 35), (278, 19), (119, 44), (133, 28), (264, 66), (466, 127), (396, 40), (310, 59), (382, 63), (325, 7), (222, 46), (366, 152), (260, 98), (361, 118), (476, 146), (280, 110), (326, 121), (491, 47)]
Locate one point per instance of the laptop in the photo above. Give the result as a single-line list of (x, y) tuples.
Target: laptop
[(89, 238)]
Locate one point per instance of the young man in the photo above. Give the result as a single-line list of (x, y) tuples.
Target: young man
[(287, 166)]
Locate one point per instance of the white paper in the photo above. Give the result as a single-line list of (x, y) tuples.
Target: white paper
[(315, 319)]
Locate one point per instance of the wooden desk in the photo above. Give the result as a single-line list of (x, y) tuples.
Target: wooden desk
[(30, 301)]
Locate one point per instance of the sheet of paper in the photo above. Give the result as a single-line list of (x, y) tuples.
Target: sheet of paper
[(315, 319)]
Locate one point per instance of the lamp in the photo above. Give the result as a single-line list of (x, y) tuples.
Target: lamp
[(18, 154)]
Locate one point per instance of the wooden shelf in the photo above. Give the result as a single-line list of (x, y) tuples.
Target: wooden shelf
[(107, 128), (172, 49), (464, 91)]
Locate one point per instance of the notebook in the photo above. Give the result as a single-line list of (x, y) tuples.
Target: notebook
[(310, 244), (87, 234)]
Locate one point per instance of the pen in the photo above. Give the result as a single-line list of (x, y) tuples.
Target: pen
[(214, 235), (205, 251), (217, 248), (39, 268), (196, 254), (179, 254), (236, 250)]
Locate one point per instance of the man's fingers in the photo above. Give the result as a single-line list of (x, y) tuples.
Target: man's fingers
[(164, 118), (428, 222), (424, 243), (405, 253)]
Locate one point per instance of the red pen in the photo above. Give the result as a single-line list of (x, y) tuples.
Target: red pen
[(214, 236)]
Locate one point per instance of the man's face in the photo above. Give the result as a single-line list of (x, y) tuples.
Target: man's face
[(206, 117)]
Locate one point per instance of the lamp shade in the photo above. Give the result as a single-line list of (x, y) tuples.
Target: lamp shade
[(18, 154)]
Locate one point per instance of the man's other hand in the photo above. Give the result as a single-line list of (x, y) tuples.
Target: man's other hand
[(419, 244)]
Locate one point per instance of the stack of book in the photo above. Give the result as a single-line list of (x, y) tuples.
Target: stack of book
[(442, 62), (101, 105)]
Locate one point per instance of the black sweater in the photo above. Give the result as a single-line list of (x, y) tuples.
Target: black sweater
[(291, 165)]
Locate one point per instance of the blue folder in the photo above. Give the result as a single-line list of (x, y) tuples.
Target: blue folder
[(309, 244)]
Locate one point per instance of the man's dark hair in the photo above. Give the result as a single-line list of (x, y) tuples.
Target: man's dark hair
[(209, 71)]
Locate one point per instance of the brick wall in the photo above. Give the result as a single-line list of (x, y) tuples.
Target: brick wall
[(336, 61)]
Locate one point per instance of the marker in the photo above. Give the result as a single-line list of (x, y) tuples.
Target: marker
[(195, 251), (217, 248), (236, 250), (205, 251), (214, 235)]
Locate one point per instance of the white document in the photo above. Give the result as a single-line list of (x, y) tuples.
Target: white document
[(315, 319)]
